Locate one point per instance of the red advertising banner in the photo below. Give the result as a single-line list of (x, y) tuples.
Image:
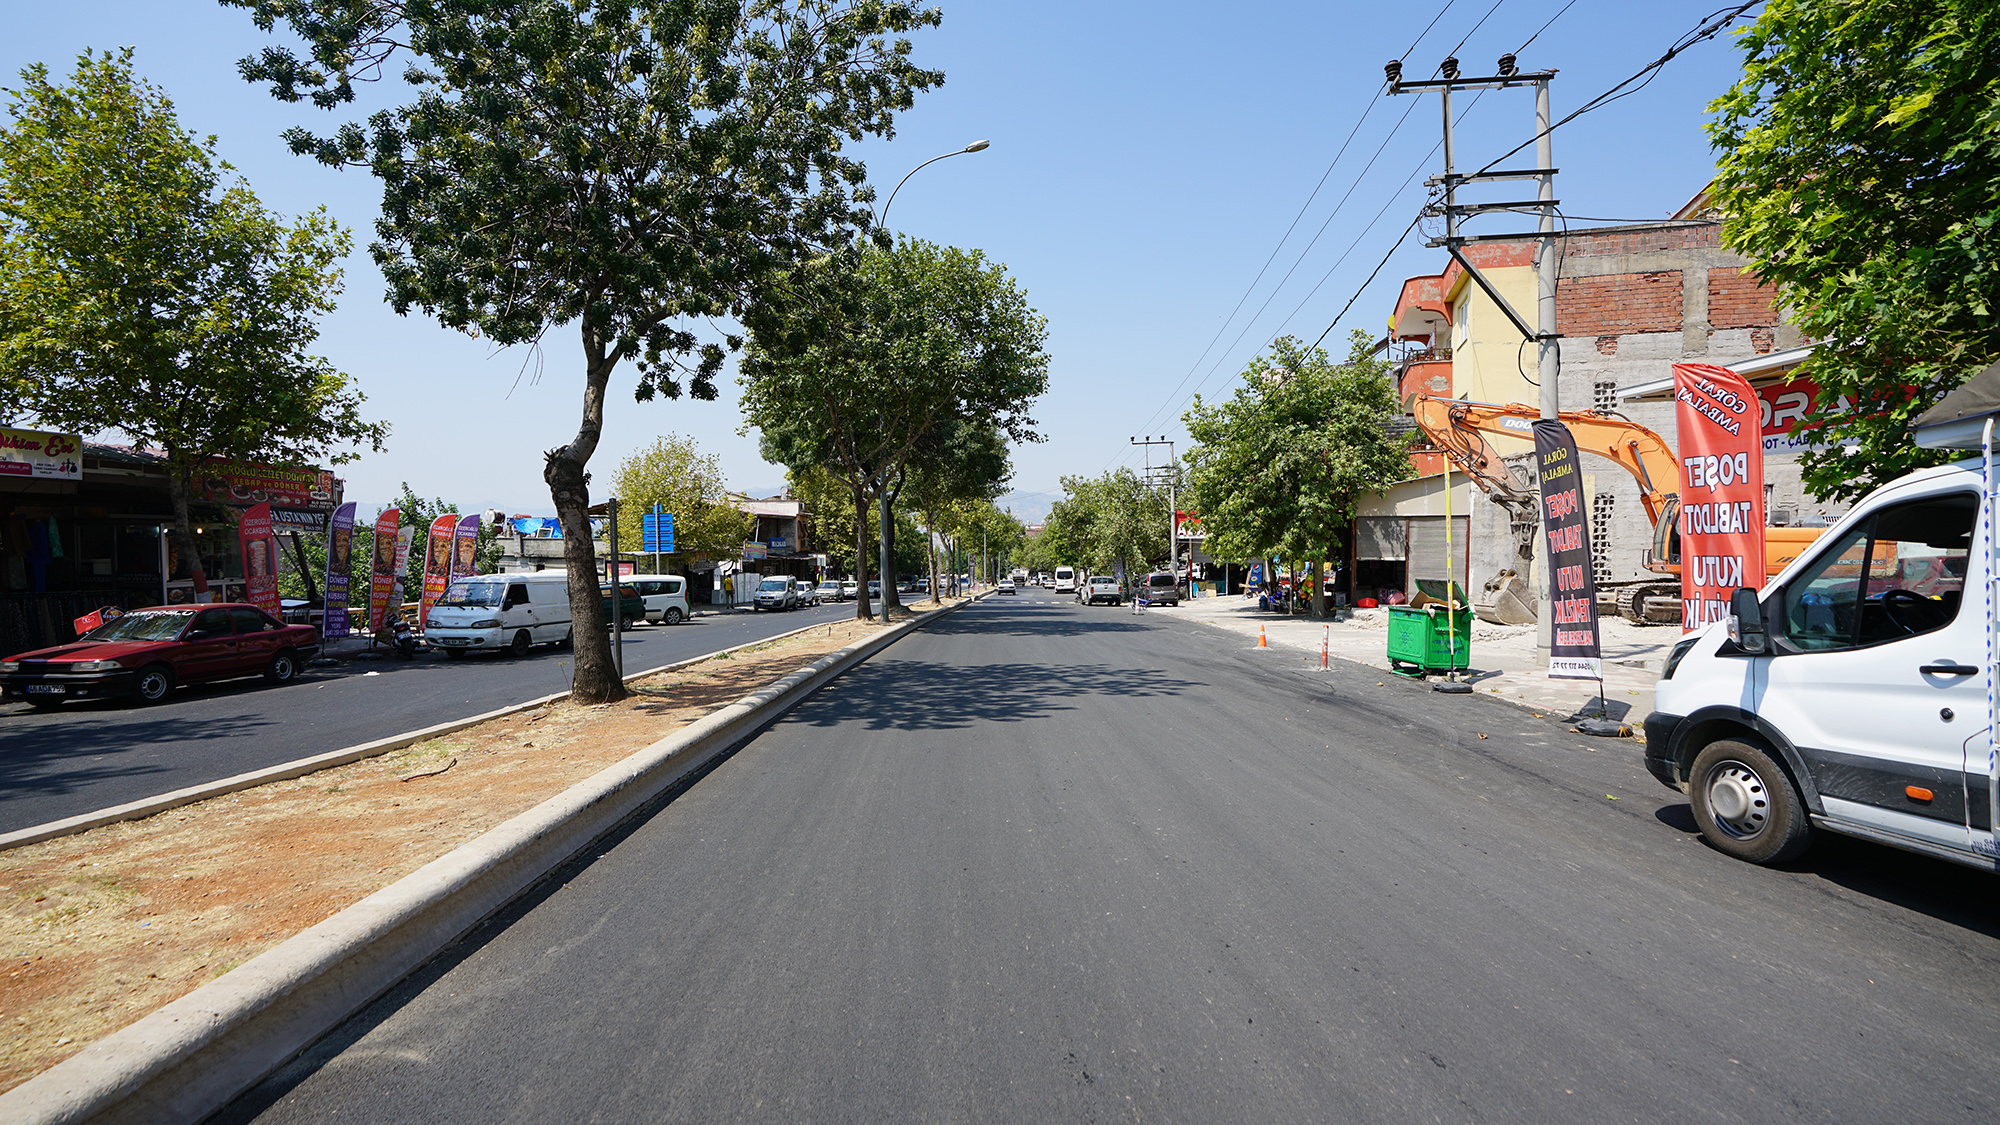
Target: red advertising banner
[(465, 547), (1722, 490), (437, 563), (260, 558), (382, 582)]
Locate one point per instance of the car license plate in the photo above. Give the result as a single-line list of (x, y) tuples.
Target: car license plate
[(46, 689), (456, 640)]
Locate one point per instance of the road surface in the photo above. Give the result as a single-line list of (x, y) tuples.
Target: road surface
[(1047, 863)]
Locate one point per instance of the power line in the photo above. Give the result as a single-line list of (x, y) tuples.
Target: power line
[(1707, 30), (1393, 247), (1174, 394)]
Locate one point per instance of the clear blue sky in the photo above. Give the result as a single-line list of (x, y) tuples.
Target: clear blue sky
[(1147, 159)]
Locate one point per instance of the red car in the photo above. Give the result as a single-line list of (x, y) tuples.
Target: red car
[(146, 652)]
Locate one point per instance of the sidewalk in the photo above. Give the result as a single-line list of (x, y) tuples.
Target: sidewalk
[(1502, 659)]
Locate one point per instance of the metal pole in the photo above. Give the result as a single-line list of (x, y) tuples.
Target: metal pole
[(1547, 357), (617, 617)]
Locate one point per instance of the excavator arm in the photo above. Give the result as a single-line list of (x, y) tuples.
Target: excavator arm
[(1460, 428)]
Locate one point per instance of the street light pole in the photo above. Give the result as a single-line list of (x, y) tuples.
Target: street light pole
[(886, 563), (976, 146)]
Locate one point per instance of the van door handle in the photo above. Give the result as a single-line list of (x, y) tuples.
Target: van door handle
[(1948, 669)]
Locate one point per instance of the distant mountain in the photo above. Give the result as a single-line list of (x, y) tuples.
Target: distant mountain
[(1028, 507)]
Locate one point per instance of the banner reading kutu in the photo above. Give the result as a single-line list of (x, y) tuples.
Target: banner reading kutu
[(1722, 490), (1575, 652)]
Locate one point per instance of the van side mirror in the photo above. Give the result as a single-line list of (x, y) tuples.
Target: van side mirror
[(1746, 622)]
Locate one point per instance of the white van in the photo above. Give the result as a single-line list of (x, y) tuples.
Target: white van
[(500, 612), (665, 596), (1850, 694), (1065, 580)]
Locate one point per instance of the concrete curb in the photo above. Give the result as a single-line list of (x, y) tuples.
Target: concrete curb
[(299, 767), (191, 1057)]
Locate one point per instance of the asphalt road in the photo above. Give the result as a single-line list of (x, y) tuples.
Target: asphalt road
[(1047, 863), (92, 755)]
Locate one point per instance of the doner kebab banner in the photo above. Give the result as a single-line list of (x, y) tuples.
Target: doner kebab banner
[(1722, 490), (465, 547), (437, 563), (339, 571), (260, 558), (382, 573), (1574, 652)]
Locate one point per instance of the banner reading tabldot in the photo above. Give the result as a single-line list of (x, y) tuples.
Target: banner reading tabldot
[(1722, 490), (1574, 649)]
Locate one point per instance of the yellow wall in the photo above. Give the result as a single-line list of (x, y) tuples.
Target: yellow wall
[(1488, 354)]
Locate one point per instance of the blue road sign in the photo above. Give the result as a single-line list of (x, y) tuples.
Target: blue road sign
[(657, 529)]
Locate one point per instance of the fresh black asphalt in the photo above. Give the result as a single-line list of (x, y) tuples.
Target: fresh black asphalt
[(1047, 863), (96, 754)]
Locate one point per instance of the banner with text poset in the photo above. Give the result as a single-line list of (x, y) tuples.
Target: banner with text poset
[(1722, 489)]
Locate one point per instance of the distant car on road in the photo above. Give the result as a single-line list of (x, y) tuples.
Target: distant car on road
[(1163, 587), (850, 590), (874, 587), (828, 591), (145, 653), (1006, 587), (1100, 588)]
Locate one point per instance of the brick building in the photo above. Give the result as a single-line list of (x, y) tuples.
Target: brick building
[(1630, 301)]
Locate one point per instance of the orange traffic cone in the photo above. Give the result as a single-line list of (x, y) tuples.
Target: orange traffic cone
[(1262, 641)]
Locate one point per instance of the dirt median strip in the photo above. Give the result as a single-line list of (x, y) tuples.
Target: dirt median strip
[(131, 918)]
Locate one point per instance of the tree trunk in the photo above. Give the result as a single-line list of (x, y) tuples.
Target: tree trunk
[(594, 675), (1319, 588), (888, 563), (862, 612), (305, 564), (930, 550), (177, 493)]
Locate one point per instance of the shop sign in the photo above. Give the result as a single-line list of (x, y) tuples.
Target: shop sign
[(754, 551), (300, 499), (44, 456), (1783, 406), (1187, 525)]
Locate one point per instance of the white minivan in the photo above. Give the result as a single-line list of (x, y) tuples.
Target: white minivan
[(499, 613), (1850, 694), (665, 596), (1065, 580)]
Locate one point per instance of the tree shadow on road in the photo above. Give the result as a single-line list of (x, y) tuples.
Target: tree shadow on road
[(1030, 619), (912, 695)]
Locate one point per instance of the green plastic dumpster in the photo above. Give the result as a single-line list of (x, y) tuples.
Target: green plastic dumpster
[(1431, 639)]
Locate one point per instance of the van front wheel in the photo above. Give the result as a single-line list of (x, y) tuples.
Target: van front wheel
[(521, 643), (1746, 805)]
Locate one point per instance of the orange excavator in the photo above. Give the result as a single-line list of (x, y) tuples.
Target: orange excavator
[(1460, 429)]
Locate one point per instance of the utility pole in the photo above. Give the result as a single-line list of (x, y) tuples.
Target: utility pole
[(1154, 476), (1544, 333)]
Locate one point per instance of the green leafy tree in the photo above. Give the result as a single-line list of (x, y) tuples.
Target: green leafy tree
[(625, 168), (139, 292), (1278, 468), (1109, 522), (830, 508), (862, 355), (675, 474), (956, 463), (1860, 175)]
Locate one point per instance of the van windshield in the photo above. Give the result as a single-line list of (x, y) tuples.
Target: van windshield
[(772, 584), (474, 592)]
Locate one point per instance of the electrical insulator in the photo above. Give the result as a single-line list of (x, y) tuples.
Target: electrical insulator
[(1450, 69), (1394, 70), (1507, 66)]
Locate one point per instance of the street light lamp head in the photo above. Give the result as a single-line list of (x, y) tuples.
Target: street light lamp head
[(979, 146)]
